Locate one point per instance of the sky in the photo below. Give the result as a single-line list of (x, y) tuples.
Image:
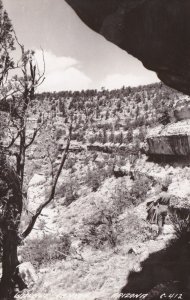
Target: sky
[(75, 56)]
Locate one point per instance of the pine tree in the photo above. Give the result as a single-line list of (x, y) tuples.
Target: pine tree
[(130, 135), (119, 138), (112, 137), (165, 118), (107, 114), (105, 136)]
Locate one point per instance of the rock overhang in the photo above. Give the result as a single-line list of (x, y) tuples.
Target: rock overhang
[(157, 32)]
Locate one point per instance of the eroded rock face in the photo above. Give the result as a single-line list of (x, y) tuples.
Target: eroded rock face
[(170, 145), (155, 31), (172, 139)]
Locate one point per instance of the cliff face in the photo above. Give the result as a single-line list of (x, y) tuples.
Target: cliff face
[(155, 31), (173, 139), (170, 145)]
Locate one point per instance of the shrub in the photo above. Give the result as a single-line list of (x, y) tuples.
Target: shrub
[(134, 230), (70, 162), (59, 133), (69, 190), (39, 120), (167, 181), (95, 176), (130, 135), (139, 190), (49, 248), (105, 229), (119, 138), (100, 229), (112, 137), (81, 135), (121, 197), (92, 139), (94, 180), (142, 134), (165, 118), (125, 198), (181, 223), (70, 196)]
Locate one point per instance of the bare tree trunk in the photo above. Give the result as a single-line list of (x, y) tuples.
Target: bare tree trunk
[(11, 186), (10, 220), (21, 163), (9, 264), (11, 203)]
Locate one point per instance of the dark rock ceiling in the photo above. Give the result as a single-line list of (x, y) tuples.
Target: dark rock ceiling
[(157, 32)]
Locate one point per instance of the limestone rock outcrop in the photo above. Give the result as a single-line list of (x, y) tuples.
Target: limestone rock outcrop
[(170, 145), (111, 148), (157, 32), (173, 139)]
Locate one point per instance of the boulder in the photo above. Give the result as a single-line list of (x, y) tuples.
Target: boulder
[(157, 32), (27, 273), (36, 180)]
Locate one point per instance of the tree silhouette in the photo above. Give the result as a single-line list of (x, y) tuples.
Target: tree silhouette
[(18, 94)]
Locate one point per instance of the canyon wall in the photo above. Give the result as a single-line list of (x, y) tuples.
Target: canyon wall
[(169, 145)]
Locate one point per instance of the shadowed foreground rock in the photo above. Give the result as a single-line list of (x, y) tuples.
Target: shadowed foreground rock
[(155, 31), (164, 272)]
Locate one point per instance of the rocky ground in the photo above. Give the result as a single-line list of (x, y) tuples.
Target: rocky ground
[(94, 234), (91, 270)]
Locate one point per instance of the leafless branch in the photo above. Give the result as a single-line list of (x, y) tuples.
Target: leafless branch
[(34, 135), (13, 141), (41, 76), (52, 193), (8, 95)]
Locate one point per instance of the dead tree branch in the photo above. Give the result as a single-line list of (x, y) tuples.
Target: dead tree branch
[(52, 193)]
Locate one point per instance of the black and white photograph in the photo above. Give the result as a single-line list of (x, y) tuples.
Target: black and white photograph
[(94, 149)]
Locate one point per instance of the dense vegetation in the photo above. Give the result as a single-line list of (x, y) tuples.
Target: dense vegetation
[(112, 116)]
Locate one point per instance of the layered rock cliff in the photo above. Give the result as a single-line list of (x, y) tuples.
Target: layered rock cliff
[(173, 139), (170, 145), (155, 31)]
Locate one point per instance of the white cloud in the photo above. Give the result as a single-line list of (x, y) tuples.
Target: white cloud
[(119, 80), (61, 73)]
